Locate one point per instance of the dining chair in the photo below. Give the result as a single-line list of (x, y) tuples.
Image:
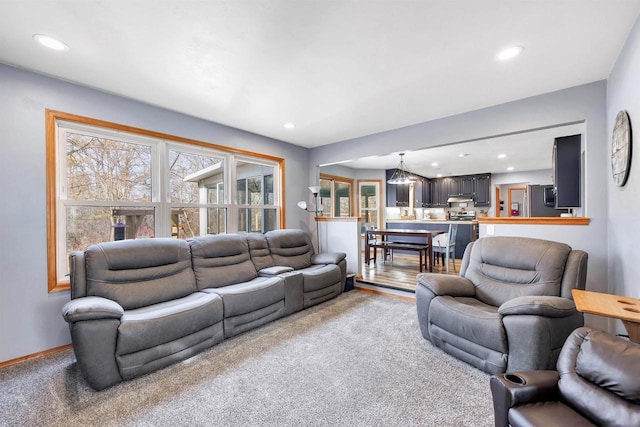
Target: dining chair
[(370, 240), (444, 245)]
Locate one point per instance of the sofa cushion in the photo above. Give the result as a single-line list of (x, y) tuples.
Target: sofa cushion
[(503, 268), (250, 296), (157, 324), (137, 273), (470, 319), (221, 260), (291, 248), (548, 414)]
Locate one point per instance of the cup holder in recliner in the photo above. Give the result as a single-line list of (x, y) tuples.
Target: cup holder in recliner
[(516, 379)]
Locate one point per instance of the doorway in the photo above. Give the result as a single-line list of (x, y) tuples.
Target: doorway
[(515, 206)]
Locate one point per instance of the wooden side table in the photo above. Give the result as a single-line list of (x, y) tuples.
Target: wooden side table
[(626, 309)]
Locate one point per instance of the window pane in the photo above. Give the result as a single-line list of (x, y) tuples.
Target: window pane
[(368, 196), (269, 198), (343, 199), (270, 219), (325, 197), (188, 172), (107, 170), (192, 222), (254, 188), (216, 221), (241, 191), (88, 225)]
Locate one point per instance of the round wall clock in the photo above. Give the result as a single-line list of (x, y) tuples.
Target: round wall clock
[(621, 149)]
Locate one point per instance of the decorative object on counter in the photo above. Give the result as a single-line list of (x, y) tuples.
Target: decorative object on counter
[(401, 176), (621, 149)]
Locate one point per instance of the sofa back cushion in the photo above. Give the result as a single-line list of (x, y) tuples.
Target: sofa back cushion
[(259, 251), (599, 377), (137, 273), (502, 268), (290, 248), (221, 260)]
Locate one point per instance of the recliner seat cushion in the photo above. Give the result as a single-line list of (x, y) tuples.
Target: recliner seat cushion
[(503, 268), (247, 297), (221, 260), (144, 333), (548, 414), (137, 273), (251, 304), (470, 319)]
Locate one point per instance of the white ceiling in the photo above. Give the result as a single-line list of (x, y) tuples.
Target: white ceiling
[(338, 69), (526, 151)]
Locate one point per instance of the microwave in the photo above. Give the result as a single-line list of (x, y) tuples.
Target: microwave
[(549, 196)]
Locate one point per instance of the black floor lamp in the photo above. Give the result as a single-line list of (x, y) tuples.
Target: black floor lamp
[(315, 190)]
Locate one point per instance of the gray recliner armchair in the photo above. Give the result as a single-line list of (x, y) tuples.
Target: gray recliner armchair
[(596, 383), (511, 306)]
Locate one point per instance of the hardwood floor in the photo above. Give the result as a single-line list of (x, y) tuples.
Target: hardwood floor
[(401, 273)]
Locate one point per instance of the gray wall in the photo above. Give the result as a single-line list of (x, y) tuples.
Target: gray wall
[(623, 203), (30, 317)]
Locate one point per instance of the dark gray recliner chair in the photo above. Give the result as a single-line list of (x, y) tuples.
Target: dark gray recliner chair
[(511, 307), (597, 382)]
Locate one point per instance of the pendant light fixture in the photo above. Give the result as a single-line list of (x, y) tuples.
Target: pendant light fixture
[(400, 176)]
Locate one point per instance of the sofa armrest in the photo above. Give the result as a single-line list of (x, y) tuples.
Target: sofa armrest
[(328, 258), (91, 308), (275, 270), (516, 388), (443, 284), (547, 306)]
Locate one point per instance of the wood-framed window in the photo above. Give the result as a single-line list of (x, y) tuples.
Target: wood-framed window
[(107, 181), (369, 202), (336, 196)]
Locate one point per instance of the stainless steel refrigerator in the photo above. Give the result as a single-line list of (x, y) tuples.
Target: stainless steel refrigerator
[(537, 205)]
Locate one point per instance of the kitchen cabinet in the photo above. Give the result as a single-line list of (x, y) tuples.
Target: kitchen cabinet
[(427, 193), (453, 186), (439, 193), (467, 185), (417, 193), (566, 171), (482, 185)]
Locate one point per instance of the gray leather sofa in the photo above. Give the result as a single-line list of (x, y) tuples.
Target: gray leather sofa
[(596, 383), (140, 305), (511, 306)]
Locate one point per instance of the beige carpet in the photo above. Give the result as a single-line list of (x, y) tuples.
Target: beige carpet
[(358, 360)]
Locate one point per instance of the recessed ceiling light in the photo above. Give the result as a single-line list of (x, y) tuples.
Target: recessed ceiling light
[(464, 154), (502, 156), (50, 42), (509, 53), (439, 175), (510, 168), (289, 125), (434, 164)]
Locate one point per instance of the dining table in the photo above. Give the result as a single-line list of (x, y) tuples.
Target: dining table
[(400, 242)]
